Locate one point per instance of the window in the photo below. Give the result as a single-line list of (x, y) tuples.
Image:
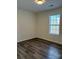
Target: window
[(54, 22)]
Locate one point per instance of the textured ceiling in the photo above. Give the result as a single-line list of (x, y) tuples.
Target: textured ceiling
[(32, 6)]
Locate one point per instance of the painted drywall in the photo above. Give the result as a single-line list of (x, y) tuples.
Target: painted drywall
[(31, 25), (43, 26), (26, 24)]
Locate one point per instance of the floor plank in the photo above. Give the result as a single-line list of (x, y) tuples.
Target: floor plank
[(38, 49)]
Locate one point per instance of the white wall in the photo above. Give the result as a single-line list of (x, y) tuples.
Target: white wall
[(43, 26), (31, 25), (25, 25)]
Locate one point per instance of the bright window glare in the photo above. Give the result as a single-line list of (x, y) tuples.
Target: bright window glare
[(54, 22)]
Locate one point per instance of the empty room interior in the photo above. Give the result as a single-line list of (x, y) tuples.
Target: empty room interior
[(39, 29)]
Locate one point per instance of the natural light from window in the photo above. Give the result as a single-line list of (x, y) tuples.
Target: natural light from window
[(54, 22)]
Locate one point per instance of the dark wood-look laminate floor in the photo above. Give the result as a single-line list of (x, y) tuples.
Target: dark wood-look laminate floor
[(38, 49)]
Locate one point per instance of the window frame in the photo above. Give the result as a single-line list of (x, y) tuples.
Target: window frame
[(54, 24)]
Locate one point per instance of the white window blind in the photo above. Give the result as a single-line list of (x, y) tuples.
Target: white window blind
[(54, 22)]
